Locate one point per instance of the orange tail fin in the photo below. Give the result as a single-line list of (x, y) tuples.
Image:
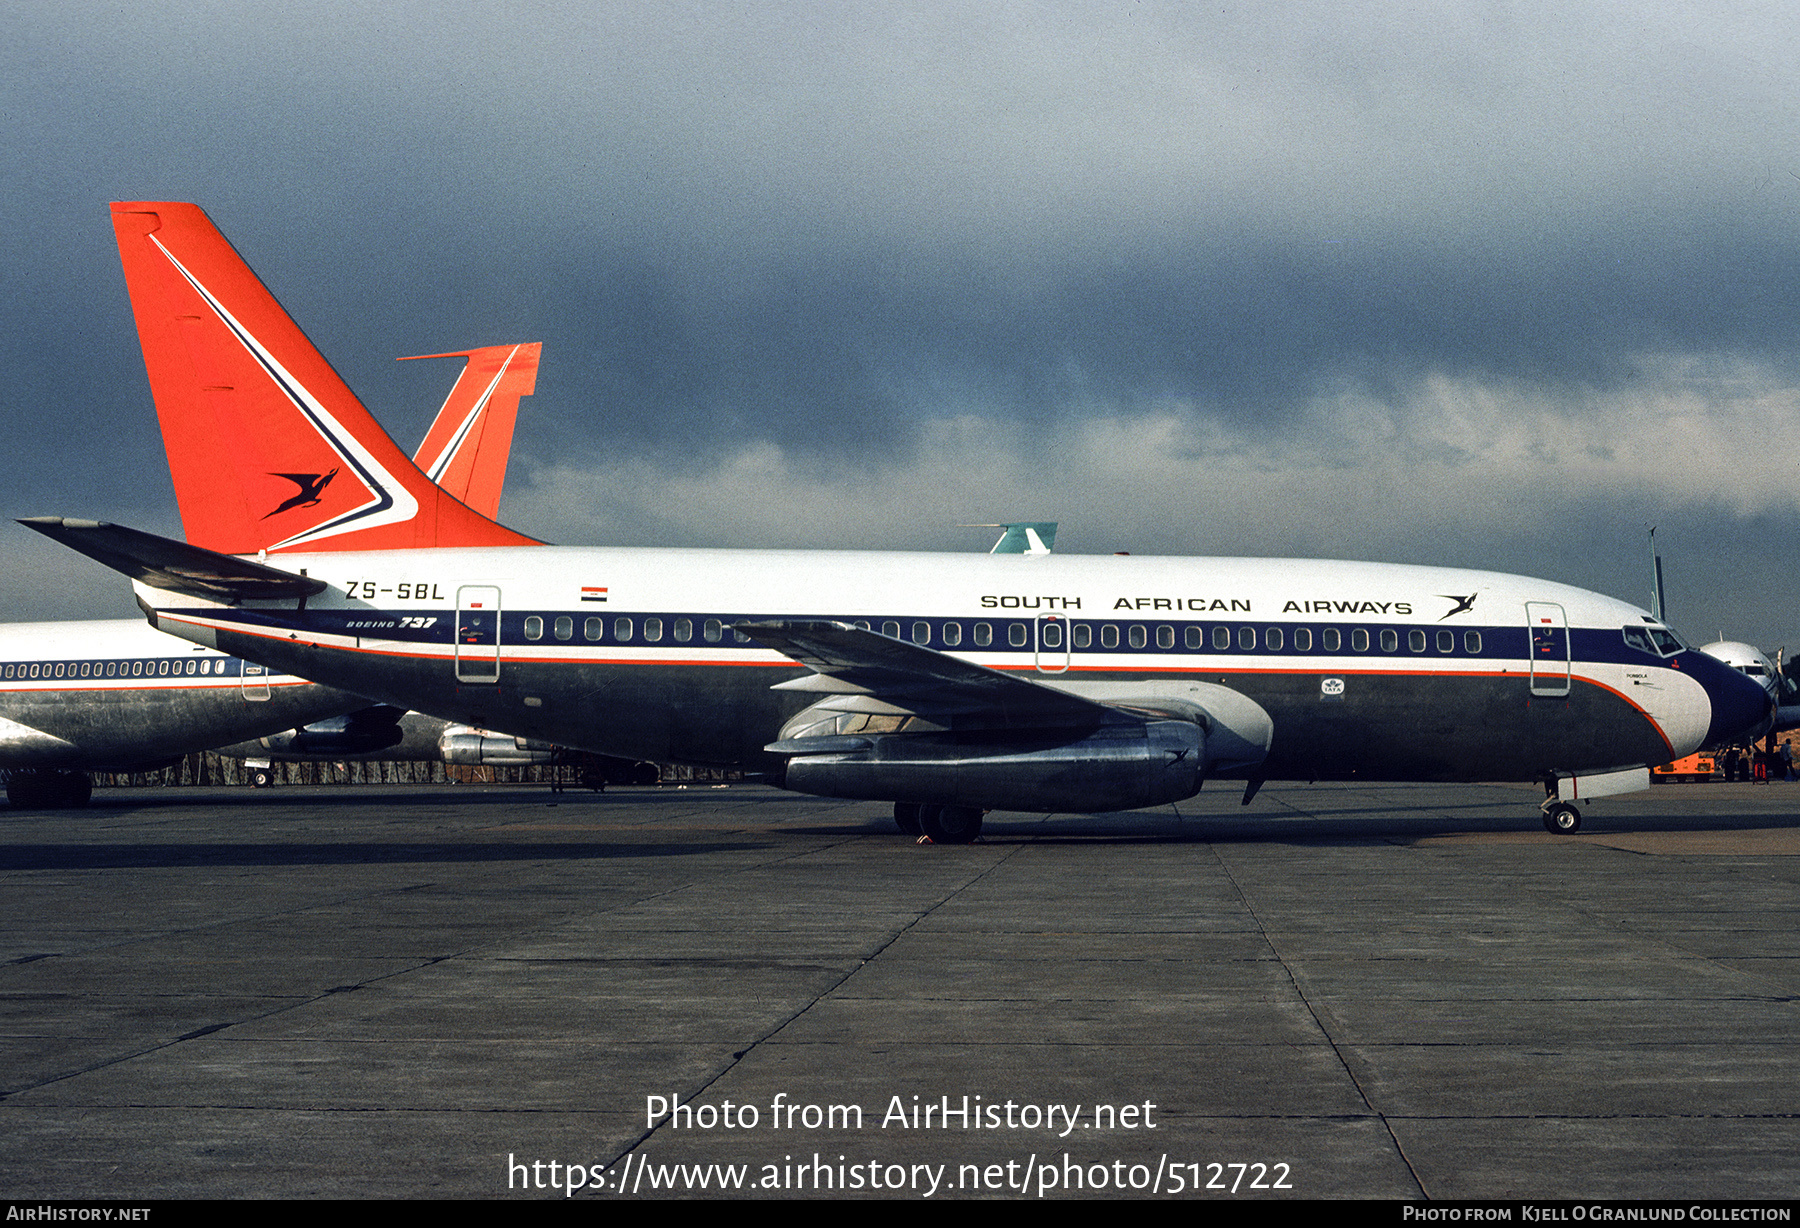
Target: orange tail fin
[(268, 446), (467, 447)]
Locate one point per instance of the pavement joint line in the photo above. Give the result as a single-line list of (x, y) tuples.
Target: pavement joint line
[(297, 1003), (1011, 850), (1319, 1022), (217, 922), (214, 1029), (1649, 935)]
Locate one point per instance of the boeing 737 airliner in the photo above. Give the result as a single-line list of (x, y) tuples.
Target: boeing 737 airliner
[(948, 685)]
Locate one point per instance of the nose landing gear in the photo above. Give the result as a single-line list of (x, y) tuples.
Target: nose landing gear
[(1560, 818)]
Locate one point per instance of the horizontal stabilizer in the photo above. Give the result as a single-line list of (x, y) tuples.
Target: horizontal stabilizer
[(172, 565)]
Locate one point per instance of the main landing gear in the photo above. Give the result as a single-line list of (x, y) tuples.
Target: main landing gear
[(944, 824), (58, 789)]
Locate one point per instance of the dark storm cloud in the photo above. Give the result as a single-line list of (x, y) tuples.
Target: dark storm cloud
[(840, 358)]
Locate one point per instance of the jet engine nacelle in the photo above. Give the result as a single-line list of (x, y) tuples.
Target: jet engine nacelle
[(1113, 767), (358, 733), (476, 748)]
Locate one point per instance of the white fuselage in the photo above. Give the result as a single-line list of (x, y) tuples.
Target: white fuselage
[(1371, 670)]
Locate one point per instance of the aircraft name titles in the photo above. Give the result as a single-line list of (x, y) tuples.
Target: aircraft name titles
[(1347, 607), (1231, 605), (1030, 603)]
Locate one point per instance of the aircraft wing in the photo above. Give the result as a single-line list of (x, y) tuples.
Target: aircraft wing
[(172, 565), (849, 661)]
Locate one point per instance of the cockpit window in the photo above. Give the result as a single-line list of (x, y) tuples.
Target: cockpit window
[(1657, 641)]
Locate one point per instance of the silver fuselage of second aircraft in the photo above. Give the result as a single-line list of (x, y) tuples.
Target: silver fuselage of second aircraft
[(118, 695), (1364, 670)]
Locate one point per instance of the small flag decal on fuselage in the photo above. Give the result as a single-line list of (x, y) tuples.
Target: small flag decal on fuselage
[(590, 593)]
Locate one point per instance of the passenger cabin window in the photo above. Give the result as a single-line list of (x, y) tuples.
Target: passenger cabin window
[(1247, 638), (921, 633), (1472, 643), (1302, 639), (622, 630), (1415, 640), (1165, 637), (891, 629), (714, 629), (534, 628), (1221, 638), (984, 635), (1016, 634), (1390, 640), (1083, 636), (1137, 636), (565, 628), (1446, 641), (1191, 637), (653, 629), (1109, 636), (1272, 639), (593, 628), (1359, 640), (1330, 640), (1050, 634), (684, 630)]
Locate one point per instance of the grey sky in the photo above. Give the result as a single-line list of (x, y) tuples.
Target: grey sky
[(1496, 285)]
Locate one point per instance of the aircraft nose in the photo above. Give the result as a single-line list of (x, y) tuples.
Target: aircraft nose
[(1741, 708)]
